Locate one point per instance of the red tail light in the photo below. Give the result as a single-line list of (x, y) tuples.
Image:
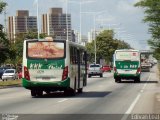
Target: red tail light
[(65, 73), (26, 73), (138, 70), (115, 69)]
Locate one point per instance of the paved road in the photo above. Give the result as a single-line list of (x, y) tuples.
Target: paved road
[(101, 96)]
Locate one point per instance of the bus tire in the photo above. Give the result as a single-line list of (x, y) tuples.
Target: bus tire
[(33, 93), (89, 76), (117, 80), (80, 90), (101, 75), (40, 93), (137, 80), (48, 91), (70, 92)]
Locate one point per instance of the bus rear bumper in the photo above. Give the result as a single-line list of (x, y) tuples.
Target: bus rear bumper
[(126, 76), (53, 86)]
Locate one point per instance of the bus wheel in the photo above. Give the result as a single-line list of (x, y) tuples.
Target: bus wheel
[(33, 93), (101, 75), (117, 80), (80, 90), (137, 80), (70, 92), (40, 93), (48, 92)]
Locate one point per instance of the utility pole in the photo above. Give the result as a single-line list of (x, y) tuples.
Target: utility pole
[(5, 21)]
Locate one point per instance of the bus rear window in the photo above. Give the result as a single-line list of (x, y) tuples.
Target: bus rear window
[(127, 55), (46, 50)]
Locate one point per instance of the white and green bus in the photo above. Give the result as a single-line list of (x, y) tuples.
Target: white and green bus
[(53, 65), (126, 64)]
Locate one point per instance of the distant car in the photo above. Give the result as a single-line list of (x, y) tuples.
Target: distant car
[(95, 70), (9, 74), (106, 68)]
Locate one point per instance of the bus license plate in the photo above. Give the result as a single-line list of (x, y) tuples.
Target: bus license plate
[(46, 78)]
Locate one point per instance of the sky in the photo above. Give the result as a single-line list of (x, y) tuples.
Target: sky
[(120, 15)]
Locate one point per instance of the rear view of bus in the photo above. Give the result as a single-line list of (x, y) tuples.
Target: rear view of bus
[(127, 65), (44, 67)]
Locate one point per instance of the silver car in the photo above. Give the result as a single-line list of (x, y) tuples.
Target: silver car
[(95, 70), (9, 74)]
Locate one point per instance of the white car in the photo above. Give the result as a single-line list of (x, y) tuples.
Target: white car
[(95, 70), (9, 74)]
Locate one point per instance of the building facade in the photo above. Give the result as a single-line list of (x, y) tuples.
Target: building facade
[(21, 23), (55, 24), (93, 34)]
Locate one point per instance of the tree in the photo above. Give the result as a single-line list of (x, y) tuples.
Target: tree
[(152, 10), (4, 43), (106, 45)]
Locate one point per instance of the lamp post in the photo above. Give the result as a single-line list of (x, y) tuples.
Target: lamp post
[(80, 3), (67, 18), (37, 7), (94, 31)]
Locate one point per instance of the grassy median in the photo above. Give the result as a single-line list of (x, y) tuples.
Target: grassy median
[(10, 83)]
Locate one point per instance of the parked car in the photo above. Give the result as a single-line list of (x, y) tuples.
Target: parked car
[(2, 69), (9, 74), (1, 72), (95, 70), (106, 68)]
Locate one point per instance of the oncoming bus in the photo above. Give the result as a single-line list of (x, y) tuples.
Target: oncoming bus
[(54, 65), (127, 65)]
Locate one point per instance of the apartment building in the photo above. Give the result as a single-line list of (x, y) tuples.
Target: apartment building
[(55, 24), (21, 23)]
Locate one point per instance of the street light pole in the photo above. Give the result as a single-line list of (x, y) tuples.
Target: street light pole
[(67, 18), (37, 17), (80, 3), (95, 46), (80, 36), (94, 31)]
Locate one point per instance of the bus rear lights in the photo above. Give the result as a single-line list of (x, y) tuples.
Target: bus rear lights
[(115, 69), (138, 70), (65, 73), (26, 73)]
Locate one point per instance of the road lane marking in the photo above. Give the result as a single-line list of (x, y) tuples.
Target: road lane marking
[(62, 100), (135, 100), (133, 104)]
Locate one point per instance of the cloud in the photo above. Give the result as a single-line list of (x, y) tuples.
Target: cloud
[(105, 18), (127, 7)]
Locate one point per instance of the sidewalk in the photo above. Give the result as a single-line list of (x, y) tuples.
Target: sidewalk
[(157, 95)]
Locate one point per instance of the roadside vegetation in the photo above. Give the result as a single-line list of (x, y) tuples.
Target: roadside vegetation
[(106, 44), (10, 83), (151, 10)]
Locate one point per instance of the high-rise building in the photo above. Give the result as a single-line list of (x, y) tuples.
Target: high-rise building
[(21, 23), (93, 34), (55, 23)]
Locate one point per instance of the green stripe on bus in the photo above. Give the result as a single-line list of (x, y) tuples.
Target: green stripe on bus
[(45, 64), (133, 65)]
